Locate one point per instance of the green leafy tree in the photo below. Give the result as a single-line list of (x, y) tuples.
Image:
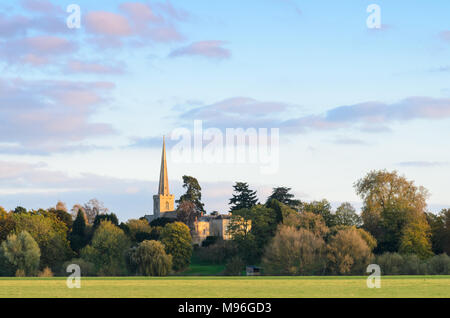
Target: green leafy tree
[(151, 259), (20, 209), (23, 252), (243, 198), (252, 229), (346, 215), (440, 231), (138, 230), (322, 208), (177, 241), (193, 193), (50, 233), (7, 224), (390, 203), (282, 195), (79, 236), (105, 217), (107, 250)]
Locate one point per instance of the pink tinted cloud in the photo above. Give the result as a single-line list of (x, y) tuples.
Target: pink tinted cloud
[(445, 35), (209, 49), (107, 23), (77, 66), (44, 115), (136, 22), (42, 6), (140, 12)]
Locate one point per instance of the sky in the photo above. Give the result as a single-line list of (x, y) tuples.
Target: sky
[(83, 110)]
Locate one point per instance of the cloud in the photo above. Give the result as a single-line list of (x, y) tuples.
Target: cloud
[(78, 66), (138, 23), (371, 117), (209, 49), (41, 6), (422, 164), (350, 141), (36, 50), (50, 115), (107, 23), (445, 35)]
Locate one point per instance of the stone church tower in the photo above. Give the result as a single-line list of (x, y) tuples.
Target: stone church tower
[(163, 202)]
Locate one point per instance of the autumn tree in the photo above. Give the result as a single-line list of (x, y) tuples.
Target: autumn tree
[(322, 208), (348, 253), (295, 252), (93, 208), (391, 203), (187, 213)]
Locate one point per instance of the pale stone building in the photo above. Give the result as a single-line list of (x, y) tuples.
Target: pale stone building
[(164, 207)]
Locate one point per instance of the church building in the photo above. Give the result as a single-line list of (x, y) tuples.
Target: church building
[(164, 207)]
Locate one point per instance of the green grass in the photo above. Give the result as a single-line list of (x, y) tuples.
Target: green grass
[(228, 287)]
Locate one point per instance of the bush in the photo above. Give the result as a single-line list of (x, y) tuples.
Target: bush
[(348, 253), (87, 268), (46, 272), (413, 265), (234, 267), (439, 265), (218, 253), (390, 263), (294, 252), (151, 259), (20, 273)]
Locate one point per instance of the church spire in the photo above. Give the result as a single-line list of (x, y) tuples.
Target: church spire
[(163, 178)]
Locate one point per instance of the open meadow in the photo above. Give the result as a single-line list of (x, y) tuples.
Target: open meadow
[(226, 287)]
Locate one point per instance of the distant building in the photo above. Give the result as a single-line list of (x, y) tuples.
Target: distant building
[(164, 207)]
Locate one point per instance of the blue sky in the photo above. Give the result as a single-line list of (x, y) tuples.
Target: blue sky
[(83, 111)]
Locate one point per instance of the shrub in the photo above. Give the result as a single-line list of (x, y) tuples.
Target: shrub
[(218, 253), (46, 272), (234, 266), (348, 253), (413, 265), (390, 263), (20, 273), (151, 259), (439, 265), (87, 268), (294, 252)]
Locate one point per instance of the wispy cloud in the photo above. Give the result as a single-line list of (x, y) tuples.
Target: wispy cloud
[(423, 164), (50, 115), (209, 49)]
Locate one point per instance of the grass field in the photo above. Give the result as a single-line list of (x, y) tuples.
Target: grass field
[(228, 287)]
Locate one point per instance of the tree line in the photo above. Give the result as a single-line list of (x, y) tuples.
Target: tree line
[(283, 235)]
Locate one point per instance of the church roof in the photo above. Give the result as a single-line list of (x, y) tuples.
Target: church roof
[(163, 188)]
